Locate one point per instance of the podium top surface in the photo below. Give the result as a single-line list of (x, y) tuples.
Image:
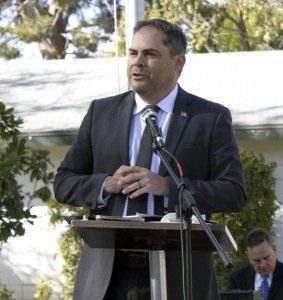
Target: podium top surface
[(148, 235)]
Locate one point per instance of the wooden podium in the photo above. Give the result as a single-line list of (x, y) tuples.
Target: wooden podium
[(151, 237)]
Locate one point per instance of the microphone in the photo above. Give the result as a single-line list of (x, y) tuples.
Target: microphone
[(150, 117)]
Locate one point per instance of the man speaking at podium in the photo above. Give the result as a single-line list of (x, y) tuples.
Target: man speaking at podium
[(111, 168)]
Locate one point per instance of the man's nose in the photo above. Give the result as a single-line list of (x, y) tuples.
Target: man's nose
[(140, 60), (262, 264)]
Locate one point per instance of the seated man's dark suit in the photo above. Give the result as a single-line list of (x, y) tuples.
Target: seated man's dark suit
[(201, 137), (244, 278)]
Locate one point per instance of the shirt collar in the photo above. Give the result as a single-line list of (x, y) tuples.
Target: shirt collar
[(258, 277), (166, 104)]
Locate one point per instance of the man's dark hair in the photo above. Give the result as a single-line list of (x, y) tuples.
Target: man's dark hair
[(174, 38), (256, 237)]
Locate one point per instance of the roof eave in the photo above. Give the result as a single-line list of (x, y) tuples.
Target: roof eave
[(65, 137)]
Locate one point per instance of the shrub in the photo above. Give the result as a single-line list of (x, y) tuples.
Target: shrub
[(70, 244), (5, 294), (17, 160)]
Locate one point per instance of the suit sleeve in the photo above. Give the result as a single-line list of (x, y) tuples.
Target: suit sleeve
[(75, 184), (232, 282), (224, 190)]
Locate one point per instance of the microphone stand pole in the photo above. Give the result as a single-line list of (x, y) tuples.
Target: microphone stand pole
[(189, 206)]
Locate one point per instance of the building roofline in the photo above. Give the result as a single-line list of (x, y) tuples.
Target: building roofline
[(65, 137)]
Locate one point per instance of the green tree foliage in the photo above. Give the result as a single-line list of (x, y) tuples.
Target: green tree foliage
[(5, 294), (121, 38), (122, 34), (224, 26), (59, 27), (212, 26), (259, 210), (70, 244), (44, 289), (17, 160)]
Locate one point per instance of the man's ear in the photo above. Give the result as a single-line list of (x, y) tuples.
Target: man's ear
[(274, 248), (180, 61)]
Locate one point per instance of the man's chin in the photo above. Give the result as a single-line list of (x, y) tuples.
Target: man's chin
[(264, 273), (139, 87)]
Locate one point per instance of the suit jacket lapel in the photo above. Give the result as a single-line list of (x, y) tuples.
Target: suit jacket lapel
[(125, 112), (125, 108), (250, 279), (179, 119)]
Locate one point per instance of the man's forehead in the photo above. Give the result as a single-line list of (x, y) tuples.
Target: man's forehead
[(149, 32), (149, 38), (150, 29), (260, 251)]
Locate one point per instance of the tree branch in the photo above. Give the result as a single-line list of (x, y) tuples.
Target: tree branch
[(215, 7), (257, 41), (108, 6)]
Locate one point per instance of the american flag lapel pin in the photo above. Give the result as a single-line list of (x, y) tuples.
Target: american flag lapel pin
[(184, 114)]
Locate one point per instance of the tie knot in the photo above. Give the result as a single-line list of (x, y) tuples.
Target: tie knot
[(153, 107)]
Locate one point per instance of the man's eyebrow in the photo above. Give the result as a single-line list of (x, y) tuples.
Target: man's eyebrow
[(145, 50), (151, 50)]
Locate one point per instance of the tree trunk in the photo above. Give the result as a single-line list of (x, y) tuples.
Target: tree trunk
[(243, 32), (53, 42), (54, 47)]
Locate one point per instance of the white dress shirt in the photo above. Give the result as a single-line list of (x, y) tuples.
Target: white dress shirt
[(137, 126)]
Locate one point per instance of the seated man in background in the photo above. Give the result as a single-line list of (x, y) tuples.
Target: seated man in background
[(265, 272)]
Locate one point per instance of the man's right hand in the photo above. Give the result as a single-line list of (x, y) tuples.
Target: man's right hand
[(112, 184)]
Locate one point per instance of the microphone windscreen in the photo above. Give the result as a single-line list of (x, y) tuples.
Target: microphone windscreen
[(149, 113)]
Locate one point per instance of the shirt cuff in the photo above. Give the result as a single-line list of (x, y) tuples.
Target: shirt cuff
[(102, 202)]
